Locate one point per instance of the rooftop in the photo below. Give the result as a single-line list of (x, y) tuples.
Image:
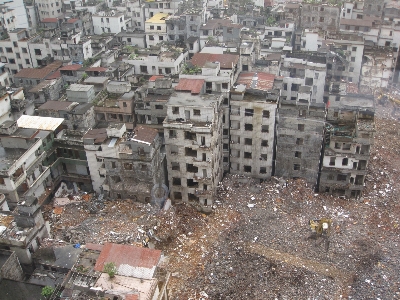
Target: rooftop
[(129, 260), (58, 105), (190, 85), (227, 61), (73, 67), (215, 23), (256, 80), (144, 134), (99, 135), (41, 123), (80, 87), (72, 21), (42, 85), (49, 20), (96, 80), (64, 257), (41, 73), (96, 69), (158, 18)]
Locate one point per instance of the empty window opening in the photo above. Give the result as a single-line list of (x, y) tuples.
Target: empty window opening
[(332, 161), (248, 127), (296, 167), (248, 141), (247, 169), (176, 181), (248, 112), (345, 161), (247, 155)]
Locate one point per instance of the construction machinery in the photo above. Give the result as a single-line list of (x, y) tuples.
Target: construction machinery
[(321, 228)]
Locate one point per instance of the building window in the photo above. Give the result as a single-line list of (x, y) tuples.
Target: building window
[(346, 146), (332, 161), (175, 166), (172, 134), (299, 141), (9, 50), (248, 141), (247, 169), (264, 143), (353, 59), (247, 155), (345, 161), (265, 113), (113, 165), (196, 112), (176, 181), (128, 166), (302, 113), (248, 112), (158, 27), (297, 154), (151, 27), (143, 69), (38, 52), (264, 128), (175, 110), (248, 127), (296, 167), (151, 37), (341, 177), (300, 127)]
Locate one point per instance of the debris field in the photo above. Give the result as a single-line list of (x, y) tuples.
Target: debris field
[(257, 243)]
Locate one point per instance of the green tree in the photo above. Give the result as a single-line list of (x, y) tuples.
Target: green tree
[(47, 291), (110, 269)]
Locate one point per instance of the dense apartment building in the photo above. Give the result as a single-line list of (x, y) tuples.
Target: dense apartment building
[(193, 142), (349, 135), (252, 125)]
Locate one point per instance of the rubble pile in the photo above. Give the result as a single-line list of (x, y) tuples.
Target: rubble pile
[(258, 244)]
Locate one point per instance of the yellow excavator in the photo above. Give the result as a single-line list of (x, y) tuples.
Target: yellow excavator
[(321, 228)]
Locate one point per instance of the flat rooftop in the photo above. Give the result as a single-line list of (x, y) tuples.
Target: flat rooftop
[(42, 123), (186, 99), (157, 18), (80, 87)]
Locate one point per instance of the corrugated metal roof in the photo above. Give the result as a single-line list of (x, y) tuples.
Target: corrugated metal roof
[(192, 85), (145, 134), (227, 61), (41, 85), (71, 67), (39, 73), (41, 123), (72, 20), (126, 258), (99, 135), (58, 105), (154, 77)]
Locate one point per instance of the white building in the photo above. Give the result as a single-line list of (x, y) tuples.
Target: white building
[(19, 11), (113, 22), (157, 61), (49, 8), (7, 18), (156, 29)]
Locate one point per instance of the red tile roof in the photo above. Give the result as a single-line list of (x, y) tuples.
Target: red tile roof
[(132, 297), (72, 20), (39, 73), (227, 61), (71, 67), (145, 134), (192, 85), (127, 255), (49, 20), (96, 69), (256, 80), (155, 77)]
